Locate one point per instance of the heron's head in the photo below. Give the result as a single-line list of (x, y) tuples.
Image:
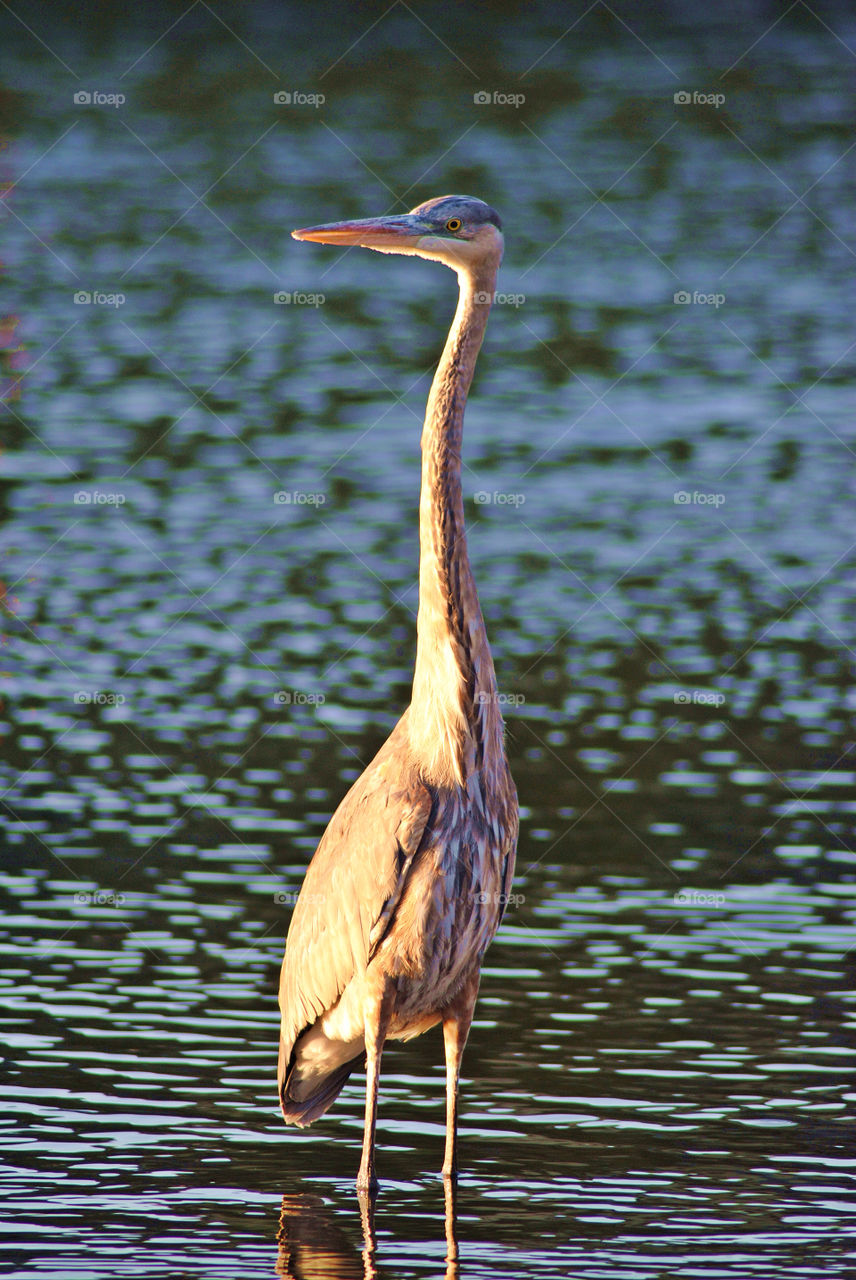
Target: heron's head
[(461, 231)]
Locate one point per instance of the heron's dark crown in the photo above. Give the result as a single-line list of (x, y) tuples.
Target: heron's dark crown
[(467, 208)]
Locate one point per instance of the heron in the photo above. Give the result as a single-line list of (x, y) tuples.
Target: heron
[(408, 884)]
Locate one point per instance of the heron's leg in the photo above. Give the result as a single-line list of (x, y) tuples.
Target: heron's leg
[(456, 1027), (378, 1013)]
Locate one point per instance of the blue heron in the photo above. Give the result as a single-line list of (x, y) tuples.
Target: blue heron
[(409, 881)]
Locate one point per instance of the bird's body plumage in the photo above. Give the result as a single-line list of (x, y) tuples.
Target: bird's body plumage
[(409, 881)]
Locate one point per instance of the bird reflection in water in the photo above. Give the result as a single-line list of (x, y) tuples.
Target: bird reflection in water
[(312, 1245)]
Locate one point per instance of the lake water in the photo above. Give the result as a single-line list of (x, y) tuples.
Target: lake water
[(660, 1077)]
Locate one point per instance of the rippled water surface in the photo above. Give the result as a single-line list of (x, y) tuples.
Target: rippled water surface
[(660, 1077)]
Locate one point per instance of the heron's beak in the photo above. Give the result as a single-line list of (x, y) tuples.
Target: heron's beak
[(393, 235)]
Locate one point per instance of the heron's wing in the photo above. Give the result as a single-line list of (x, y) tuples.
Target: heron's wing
[(352, 885)]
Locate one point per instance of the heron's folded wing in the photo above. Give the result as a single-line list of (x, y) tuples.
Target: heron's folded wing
[(352, 887)]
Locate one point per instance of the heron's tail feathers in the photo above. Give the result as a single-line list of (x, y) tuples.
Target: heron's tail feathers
[(304, 1111), (310, 1082)]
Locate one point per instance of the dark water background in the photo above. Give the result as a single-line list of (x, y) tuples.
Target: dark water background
[(660, 1077)]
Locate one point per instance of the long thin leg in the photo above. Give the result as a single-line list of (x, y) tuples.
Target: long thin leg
[(456, 1027), (377, 1023)]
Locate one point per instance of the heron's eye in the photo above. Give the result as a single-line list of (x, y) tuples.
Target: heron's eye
[(454, 224)]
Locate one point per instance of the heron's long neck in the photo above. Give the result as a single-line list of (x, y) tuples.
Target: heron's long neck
[(455, 725)]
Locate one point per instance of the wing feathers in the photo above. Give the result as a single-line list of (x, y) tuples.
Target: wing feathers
[(352, 887)]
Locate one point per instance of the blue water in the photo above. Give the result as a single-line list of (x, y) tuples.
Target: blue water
[(660, 1078)]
